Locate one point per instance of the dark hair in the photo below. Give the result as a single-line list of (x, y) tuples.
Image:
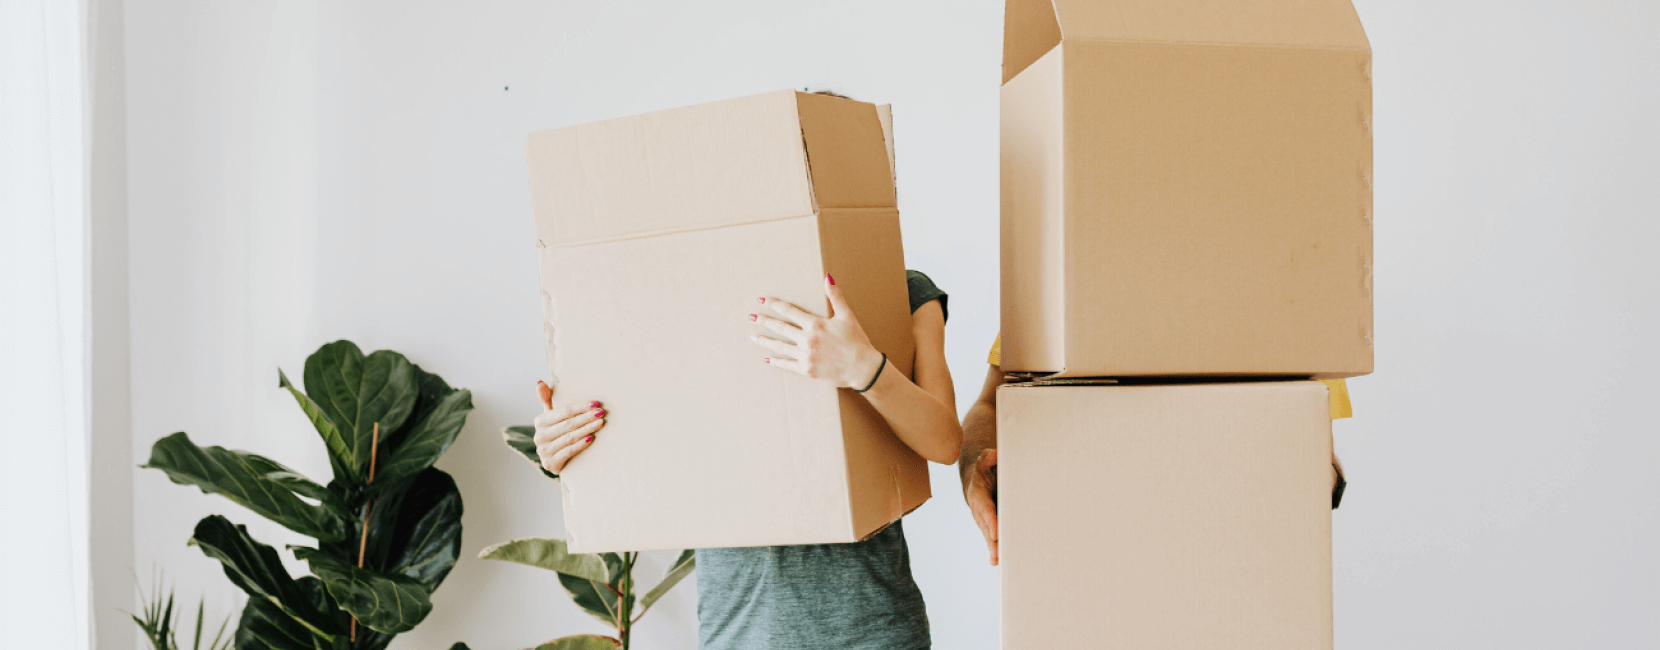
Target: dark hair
[(828, 93)]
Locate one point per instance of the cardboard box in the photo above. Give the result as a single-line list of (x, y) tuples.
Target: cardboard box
[(1166, 516), (657, 233), (1186, 188)]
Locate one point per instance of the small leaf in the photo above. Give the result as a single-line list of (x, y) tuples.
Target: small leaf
[(386, 603), (265, 626), (522, 439), (339, 450), (240, 477), (593, 597), (549, 554), (460, 646), (682, 567), (581, 642)]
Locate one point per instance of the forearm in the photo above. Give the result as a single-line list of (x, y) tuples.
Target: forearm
[(920, 419)]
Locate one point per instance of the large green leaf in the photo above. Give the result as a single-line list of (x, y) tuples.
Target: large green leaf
[(522, 439), (355, 392), (550, 554), (265, 626), (682, 567), (299, 484), (257, 570), (386, 603), (581, 642), (242, 477), (417, 530), (440, 412)]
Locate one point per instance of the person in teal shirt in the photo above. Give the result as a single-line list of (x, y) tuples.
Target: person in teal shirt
[(857, 596)]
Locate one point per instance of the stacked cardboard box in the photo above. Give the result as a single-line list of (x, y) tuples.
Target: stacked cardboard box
[(656, 234), (1186, 210)]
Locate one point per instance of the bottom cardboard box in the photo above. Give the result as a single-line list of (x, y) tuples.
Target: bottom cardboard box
[(1166, 516)]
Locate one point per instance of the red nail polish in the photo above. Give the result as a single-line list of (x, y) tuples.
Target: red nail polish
[(766, 360), (594, 404), (752, 318), (831, 278), (588, 439), (600, 413), (763, 300)]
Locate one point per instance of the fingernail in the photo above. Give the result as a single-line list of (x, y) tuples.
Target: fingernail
[(594, 404), (541, 383), (831, 278), (752, 317), (766, 360), (763, 300), (588, 439), (600, 413)]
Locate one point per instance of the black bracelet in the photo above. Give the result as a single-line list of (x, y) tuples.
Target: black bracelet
[(872, 383)]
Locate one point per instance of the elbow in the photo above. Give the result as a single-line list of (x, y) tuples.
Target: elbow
[(949, 449)]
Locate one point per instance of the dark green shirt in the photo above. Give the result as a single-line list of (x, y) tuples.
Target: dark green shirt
[(857, 596)]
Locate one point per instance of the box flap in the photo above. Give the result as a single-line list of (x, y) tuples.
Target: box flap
[(1029, 32), (1033, 27), (848, 164), (1322, 24), (884, 112)]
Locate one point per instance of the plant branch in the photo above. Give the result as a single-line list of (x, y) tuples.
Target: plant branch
[(363, 544)]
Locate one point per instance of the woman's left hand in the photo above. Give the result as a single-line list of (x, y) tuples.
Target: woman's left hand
[(833, 349)]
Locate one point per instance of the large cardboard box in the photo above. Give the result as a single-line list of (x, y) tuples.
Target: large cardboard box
[(656, 234), (1186, 188), (1166, 516)]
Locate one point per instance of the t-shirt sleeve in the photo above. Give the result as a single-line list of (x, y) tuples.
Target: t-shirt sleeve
[(922, 290)]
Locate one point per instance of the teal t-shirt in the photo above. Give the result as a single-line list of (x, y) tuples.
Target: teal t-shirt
[(857, 596)]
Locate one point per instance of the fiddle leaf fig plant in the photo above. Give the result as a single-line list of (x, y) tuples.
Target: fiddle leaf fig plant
[(387, 527)]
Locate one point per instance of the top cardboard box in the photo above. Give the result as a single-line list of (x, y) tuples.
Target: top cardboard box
[(1186, 188), (656, 234)]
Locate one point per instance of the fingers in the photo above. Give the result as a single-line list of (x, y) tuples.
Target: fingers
[(552, 424), (838, 306), (783, 328), (557, 461), (787, 310), (782, 348), (544, 391), (791, 365), (985, 517)]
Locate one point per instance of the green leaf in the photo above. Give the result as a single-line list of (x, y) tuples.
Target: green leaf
[(241, 477), (339, 449), (550, 554), (460, 646), (581, 642), (386, 603), (593, 597), (256, 569), (682, 567), (354, 392), (297, 483), (440, 412), (417, 530), (264, 626), (522, 439)]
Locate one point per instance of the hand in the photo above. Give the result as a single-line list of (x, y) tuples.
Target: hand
[(834, 349), (980, 491), (561, 435)]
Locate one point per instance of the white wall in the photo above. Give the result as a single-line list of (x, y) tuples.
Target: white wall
[(307, 171)]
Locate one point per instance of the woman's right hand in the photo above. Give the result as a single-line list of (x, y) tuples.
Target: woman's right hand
[(561, 435), (980, 490)]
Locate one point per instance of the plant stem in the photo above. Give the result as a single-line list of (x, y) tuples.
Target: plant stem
[(363, 544)]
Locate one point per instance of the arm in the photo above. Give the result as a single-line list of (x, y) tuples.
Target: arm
[(835, 349), (923, 413), (979, 459)]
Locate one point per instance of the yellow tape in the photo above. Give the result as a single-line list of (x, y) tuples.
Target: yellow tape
[(996, 356), (1340, 407)]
